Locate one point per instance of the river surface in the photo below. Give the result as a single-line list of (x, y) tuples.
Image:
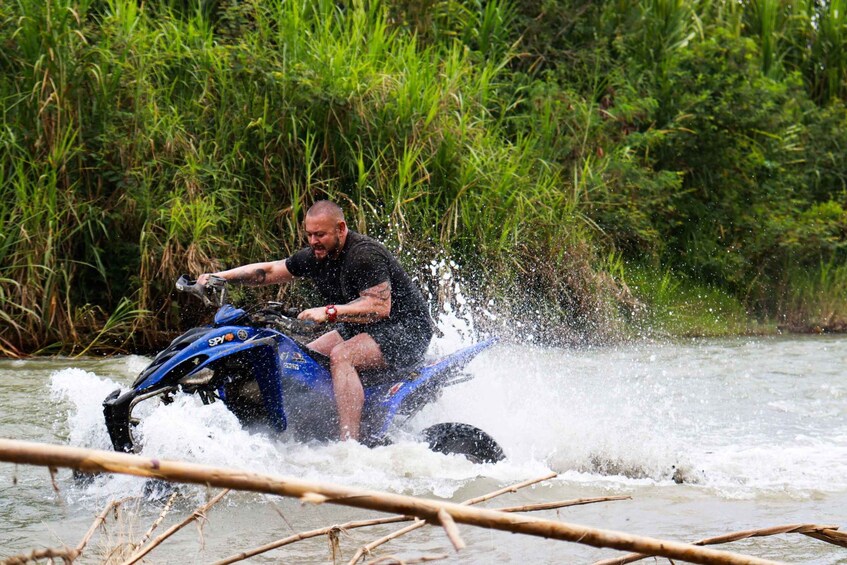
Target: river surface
[(756, 430)]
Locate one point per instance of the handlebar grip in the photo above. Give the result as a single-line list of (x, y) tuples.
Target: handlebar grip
[(216, 286)]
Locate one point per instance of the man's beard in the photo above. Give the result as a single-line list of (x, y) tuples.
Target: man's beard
[(329, 252)]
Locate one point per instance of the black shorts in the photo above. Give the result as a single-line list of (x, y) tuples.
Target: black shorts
[(402, 343)]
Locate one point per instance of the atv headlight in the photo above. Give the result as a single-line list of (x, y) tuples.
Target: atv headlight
[(202, 377)]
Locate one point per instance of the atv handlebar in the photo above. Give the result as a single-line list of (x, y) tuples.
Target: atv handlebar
[(216, 287), (274, 314), (213, 293)]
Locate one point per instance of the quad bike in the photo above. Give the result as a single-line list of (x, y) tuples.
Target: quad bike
[(255, 360)]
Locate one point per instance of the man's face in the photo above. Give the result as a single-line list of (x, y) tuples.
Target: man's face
[(324, 235)]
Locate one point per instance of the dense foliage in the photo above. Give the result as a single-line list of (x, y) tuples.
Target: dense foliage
[(580, 160)]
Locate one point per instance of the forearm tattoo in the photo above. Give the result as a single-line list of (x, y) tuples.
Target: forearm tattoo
[(256, 277), (381, 292)]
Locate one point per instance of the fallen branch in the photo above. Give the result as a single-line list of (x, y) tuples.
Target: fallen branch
[(199, 513), (90, 460), (825, 533), (511, 488)]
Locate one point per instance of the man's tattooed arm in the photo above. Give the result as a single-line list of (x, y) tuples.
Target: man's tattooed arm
[(257, 274), (255, 277), (373, 304)]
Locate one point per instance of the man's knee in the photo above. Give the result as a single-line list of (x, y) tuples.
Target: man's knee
[(341, 354)]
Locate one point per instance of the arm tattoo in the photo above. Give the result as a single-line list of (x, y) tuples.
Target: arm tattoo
[(258, 276), (382, 292)]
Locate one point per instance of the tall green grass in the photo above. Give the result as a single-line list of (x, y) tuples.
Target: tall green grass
[(155, 146), (143, 140), (816, 299), (675, 305)]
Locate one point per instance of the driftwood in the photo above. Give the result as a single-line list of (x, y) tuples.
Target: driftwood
[(829, 534), (94, 461)]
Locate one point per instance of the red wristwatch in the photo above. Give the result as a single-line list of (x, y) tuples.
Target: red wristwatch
[(331, 313)]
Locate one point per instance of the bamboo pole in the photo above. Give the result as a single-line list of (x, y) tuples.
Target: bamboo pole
[(65, 554), (96, 461)]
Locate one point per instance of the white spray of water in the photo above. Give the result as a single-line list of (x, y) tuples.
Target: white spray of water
[(627, 416)]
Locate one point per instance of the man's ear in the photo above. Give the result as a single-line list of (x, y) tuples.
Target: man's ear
[(342, 227)]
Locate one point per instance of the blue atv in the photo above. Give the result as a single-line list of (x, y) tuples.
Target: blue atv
[(256, 362)]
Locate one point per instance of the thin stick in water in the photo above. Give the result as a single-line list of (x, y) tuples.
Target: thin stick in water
[(199, 513), (158, 521), (310, 534)]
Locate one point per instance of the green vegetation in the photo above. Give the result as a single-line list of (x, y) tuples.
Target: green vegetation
[(544, 146)]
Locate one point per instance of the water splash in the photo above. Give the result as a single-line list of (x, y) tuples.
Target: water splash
[(716, 415)]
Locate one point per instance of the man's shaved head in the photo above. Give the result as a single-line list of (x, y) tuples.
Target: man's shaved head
[(326, 208), (326, 229)]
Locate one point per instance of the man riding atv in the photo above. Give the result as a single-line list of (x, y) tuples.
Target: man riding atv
[(383, 320)]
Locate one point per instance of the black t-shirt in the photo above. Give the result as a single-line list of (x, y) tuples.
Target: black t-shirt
[(362, 264)]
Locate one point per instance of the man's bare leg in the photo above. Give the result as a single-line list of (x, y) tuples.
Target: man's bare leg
[(326, 342), (362, 352)]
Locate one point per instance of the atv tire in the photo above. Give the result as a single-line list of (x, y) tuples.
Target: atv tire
[(463, 439)]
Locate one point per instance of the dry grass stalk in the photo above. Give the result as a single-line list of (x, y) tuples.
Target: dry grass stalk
[(158, 521), (91, 460), (67, 554), (197, 514), (824, 533), (99, 521), (367, 549)]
